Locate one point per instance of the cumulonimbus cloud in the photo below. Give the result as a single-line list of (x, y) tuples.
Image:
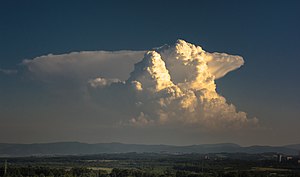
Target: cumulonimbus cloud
[(167, 85)]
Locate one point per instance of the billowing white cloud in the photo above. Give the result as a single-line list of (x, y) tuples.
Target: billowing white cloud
[(164, 86), (174, 84)]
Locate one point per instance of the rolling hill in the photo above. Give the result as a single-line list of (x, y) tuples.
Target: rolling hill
[(76, 148)]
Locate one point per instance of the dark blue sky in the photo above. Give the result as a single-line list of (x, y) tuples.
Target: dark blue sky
[(265, 33), (32, 28)]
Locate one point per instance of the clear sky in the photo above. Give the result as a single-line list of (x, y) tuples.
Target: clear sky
[(265, 33)]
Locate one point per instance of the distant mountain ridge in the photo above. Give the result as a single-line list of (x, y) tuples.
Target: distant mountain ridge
[(76, 148)]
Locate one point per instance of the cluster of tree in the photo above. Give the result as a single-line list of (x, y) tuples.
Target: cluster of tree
[(131, 172), (225, 170), (51, 172)]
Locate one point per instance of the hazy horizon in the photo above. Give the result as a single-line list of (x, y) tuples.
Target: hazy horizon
[(182, 145)]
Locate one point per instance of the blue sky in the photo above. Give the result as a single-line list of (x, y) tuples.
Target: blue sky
[(265, 33)]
